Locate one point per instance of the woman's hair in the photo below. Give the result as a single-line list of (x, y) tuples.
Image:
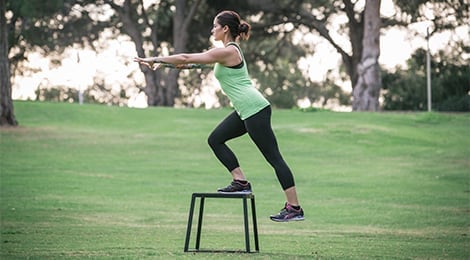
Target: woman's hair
[(237, 27)]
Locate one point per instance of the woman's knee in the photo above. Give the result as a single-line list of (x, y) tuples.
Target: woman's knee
[(212, 140)]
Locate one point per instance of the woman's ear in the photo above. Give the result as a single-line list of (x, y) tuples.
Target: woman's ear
[(225, 28)]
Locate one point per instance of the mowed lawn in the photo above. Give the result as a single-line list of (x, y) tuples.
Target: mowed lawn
[(107, 182)]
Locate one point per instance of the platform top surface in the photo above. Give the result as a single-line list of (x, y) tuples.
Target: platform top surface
[(223, 195)]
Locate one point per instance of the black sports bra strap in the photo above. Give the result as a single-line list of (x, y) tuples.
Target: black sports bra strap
[(240, 65), (238, 48), (234, 44)]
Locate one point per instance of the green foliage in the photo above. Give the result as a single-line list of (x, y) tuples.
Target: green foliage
[(446, 14), (107, 182), (60, 94), (404, 91), (96, 95), (455, 103), (272, 57), (450, 77), (50, 25), (313, 109), (35, 9)]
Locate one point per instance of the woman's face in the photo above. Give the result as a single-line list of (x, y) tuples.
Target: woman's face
[(217, 31)]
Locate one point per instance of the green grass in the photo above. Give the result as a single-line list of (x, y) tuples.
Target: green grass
[(107, 182)]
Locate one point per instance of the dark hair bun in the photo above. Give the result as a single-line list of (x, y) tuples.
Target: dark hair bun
[(243, 28)]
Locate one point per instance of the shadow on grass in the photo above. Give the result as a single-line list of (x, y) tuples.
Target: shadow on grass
[(253, 254)]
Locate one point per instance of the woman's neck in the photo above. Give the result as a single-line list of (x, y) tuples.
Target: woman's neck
[(227, 40)]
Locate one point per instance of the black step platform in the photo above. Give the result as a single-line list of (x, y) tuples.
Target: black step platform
[(202, 197)]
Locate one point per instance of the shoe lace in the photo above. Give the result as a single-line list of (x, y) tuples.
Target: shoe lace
[(231, 186), (288, 208), (284, 211)]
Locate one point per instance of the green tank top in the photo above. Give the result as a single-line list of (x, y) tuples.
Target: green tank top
[(237, 85)]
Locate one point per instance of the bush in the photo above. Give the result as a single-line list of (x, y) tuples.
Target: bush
[(406, 89)]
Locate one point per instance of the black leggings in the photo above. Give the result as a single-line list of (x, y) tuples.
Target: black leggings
[(259, 129)]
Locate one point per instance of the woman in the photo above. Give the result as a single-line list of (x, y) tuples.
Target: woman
[(252, 113)]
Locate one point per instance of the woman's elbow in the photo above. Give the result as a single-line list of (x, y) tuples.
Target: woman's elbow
[(185, 58)]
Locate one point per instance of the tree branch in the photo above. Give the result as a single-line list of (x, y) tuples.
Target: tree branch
[(309, 20), (153, 33), (190, 16), (124, 12)]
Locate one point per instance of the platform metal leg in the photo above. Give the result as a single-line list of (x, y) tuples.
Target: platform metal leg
[(255, 224), (199, 223), (190, 223), (247, 230)]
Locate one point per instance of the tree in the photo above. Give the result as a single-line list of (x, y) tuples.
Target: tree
[(165, 27), (7, 115), (152, 25), (48, 25), (405, 88), (316, 16), (442, 14), (366, 91), (56, 24)]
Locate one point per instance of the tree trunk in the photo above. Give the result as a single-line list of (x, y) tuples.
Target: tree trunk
[(356, 34), (162, 85), (7, 116), (366, 91)]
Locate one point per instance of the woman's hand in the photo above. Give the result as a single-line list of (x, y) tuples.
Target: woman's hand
[(149, 62)]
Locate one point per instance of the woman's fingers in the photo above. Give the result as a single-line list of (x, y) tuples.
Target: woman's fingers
[(155, 66)]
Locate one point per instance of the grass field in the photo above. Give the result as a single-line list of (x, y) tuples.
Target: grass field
[(106, 182)]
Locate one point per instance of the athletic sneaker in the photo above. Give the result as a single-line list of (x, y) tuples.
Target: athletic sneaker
[(236, 187), (288, 213)]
